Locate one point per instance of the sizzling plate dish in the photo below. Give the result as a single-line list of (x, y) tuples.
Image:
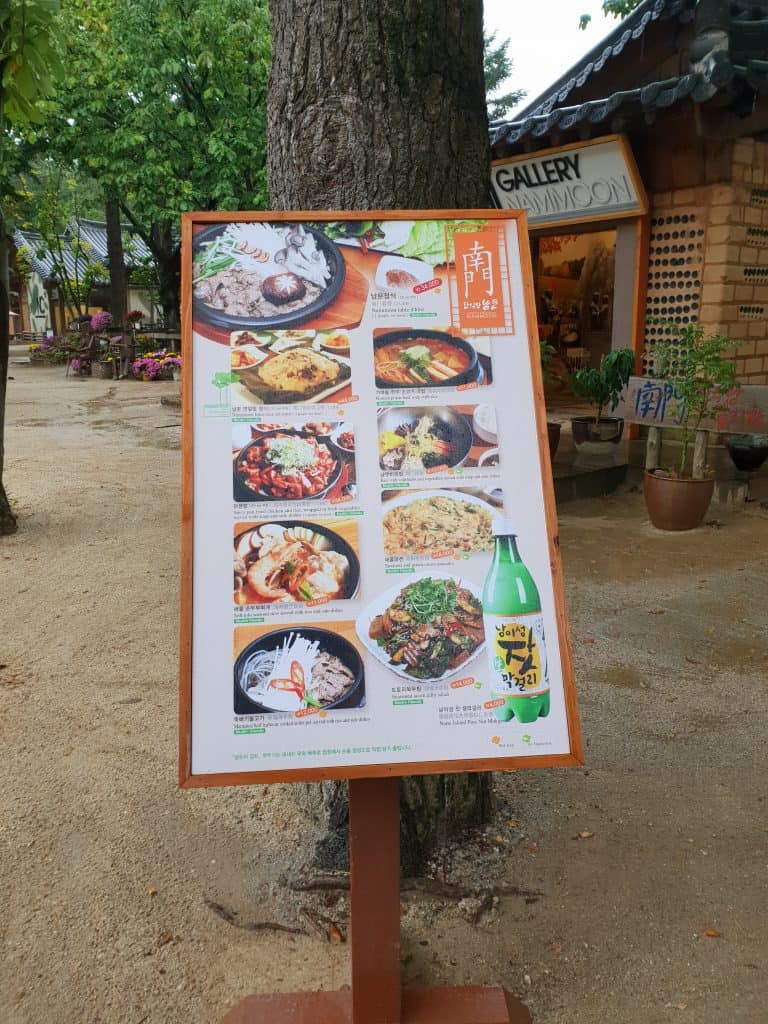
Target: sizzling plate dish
[(287, 466)]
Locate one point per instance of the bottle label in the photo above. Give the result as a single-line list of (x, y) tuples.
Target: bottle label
[(517, 654)]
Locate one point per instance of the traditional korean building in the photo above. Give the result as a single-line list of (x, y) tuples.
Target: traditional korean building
[(644, 170), (37, 303)]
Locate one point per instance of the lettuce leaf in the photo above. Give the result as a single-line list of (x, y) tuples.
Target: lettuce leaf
[(427, 240)]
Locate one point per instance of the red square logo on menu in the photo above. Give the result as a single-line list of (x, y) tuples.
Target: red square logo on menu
[(478, 278)]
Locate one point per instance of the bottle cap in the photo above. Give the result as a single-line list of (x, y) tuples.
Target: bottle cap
[(504, 527)]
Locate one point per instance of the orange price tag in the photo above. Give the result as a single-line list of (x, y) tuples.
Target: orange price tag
[(305, 712), (457, 684)]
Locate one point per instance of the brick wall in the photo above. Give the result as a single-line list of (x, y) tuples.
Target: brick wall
[(728, 224)]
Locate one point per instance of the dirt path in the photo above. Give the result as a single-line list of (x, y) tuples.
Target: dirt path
[(107, 872)]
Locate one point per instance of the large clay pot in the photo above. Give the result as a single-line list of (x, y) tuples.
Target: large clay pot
[(677, 503), (606, 429)]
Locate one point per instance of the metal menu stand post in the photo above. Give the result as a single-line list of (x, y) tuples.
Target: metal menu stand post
[(376, 995)]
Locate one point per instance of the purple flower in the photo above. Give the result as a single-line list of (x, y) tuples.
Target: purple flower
[(100, 321)]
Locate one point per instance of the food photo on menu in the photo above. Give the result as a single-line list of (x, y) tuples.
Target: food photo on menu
[(260, 275), (311, 461), (289, 367), (428, 629), (435, 439), (301, 670), (426, 524), (419, 358), (294, 561)]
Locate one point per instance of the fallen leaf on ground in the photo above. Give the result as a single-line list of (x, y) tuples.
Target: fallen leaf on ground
[(681, 1006), (589, 640), (585, 835), (533, 848), (335, 934), (660, 612), (712, 933), (151, 891), (165, 938), (67, 751)]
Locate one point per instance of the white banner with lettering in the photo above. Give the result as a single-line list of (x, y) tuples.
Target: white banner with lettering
[(595, 180)]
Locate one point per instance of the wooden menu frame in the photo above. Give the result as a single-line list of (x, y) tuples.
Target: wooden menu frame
[(187, 779)]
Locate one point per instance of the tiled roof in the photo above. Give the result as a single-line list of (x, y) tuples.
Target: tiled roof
[(737, 67), (648, 97), (631, 27), (699, 85), (93, 232)]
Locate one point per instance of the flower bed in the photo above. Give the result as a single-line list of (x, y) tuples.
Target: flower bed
[(156, 365), (49, 352)]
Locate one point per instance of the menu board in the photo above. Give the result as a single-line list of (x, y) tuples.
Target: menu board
[(371, 580)]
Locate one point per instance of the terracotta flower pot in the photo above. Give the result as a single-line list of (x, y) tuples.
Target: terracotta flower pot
[(607, 429), (677, 503)]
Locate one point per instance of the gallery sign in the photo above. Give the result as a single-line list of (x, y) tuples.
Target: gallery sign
[(371, 578), (589, 181)]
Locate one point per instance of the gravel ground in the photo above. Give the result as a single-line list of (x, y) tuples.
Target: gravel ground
[(646, 869)]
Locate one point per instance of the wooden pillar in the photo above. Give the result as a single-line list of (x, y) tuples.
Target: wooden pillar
[(653, 448), (700, 453)]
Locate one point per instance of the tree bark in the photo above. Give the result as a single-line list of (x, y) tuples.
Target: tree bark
[(377, 104), (165, 249), (116, 259), (380, 104), (167, 254), (7, 519)]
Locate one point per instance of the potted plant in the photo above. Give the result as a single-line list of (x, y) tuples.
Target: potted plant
[(696, 367), (601, 388), (160, 365)]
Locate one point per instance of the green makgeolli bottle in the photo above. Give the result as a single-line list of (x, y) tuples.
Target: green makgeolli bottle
[(514, 632)]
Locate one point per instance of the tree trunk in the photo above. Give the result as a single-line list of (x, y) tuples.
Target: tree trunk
[(116, 260), (380, 104), (7, 518), (166, 252), (377, 104)]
